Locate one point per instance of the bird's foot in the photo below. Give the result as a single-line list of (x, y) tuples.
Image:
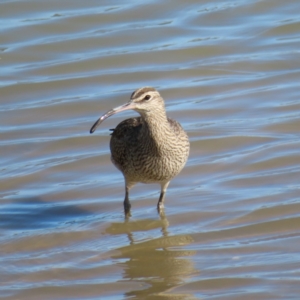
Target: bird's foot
[(127, 214), (127, 207), (161, 208)]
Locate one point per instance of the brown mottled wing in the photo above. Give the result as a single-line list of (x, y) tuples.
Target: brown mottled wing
[(123, 139), (183, 138), (177, 128)]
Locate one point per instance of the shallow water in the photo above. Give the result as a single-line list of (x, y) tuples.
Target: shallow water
[(229, 72)]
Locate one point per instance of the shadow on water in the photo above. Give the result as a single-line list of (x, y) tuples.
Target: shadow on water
[(157, 264), (34, 213)]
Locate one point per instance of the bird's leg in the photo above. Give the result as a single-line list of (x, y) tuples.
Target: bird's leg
[(127, 204), (160, 204)]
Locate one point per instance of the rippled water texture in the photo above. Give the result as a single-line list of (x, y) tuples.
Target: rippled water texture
[(229, 73)]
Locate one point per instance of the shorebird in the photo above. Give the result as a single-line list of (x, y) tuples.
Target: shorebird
[(151, 148)]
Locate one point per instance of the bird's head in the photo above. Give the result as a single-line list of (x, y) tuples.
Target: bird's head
[(145, 101)]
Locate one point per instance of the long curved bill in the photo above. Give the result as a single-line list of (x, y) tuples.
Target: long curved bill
[(129, 105)]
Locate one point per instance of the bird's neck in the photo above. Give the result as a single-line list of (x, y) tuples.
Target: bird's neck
[(156, 128)]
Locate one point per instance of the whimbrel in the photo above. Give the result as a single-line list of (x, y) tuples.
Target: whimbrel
[(151, 148)]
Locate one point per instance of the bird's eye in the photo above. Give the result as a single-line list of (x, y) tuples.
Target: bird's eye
[(147, 97)]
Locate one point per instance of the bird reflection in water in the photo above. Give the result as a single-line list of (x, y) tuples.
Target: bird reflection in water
[(152, 258)]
